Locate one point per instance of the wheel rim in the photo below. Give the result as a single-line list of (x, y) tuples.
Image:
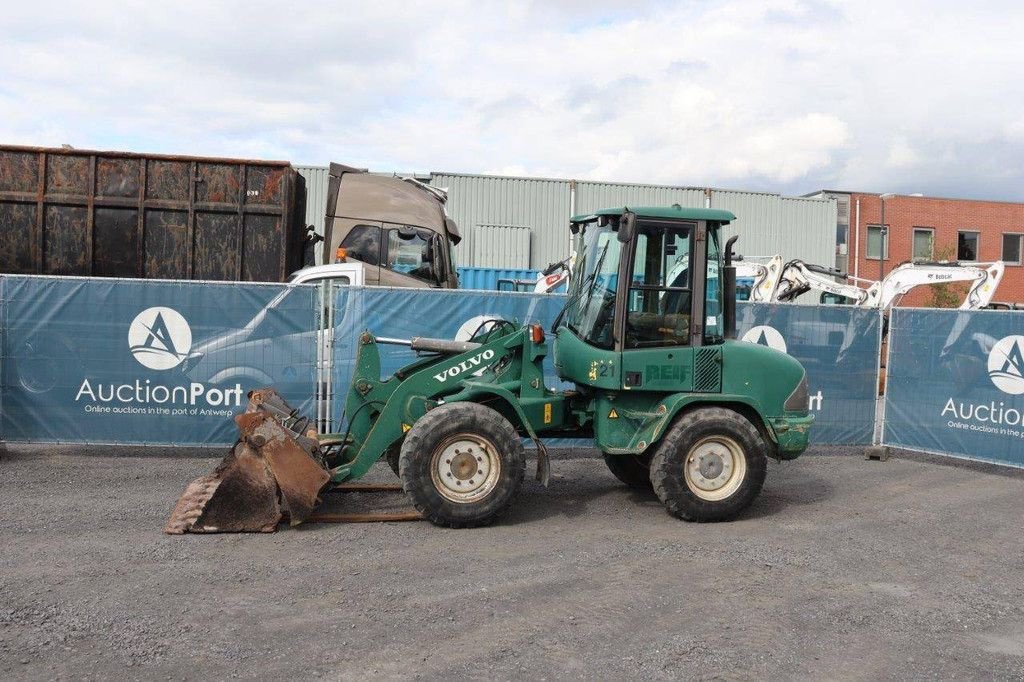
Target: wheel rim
[(715, 468), (465, 468)]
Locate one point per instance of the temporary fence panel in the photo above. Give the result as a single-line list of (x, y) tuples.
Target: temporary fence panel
[(955, 384), (153, 362), (839, 347), (157, 362)]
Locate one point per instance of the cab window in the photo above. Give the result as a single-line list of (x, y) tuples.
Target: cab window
[(363, 244), (658, 308), (713, 325)]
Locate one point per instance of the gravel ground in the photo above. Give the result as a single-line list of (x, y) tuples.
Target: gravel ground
[(843, 568)]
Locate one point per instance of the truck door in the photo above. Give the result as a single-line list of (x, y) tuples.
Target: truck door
[(363, 242), (657, 353)]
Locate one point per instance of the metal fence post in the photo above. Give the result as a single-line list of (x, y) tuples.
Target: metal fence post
[(879, 450)]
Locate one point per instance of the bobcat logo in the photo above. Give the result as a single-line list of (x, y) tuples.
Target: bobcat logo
[(159, 338), (1006, 365)]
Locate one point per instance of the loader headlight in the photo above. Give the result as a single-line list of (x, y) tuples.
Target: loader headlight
[(799, 399)]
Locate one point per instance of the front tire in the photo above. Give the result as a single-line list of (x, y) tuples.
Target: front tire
[(461, 465), (710, 465)]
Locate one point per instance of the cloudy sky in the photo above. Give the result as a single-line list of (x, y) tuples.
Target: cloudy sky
[(787, 96)]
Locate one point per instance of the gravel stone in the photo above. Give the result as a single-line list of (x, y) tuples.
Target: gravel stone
[(843, 568)]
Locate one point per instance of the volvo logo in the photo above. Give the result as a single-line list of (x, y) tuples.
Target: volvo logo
[(468, 365)]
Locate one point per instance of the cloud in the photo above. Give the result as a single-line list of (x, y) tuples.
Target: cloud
[(783, 95)]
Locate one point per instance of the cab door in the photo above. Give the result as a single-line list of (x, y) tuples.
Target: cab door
[(658, 330), (362, 242)]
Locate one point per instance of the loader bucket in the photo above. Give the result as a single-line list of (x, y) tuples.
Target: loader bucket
[(273, 472)]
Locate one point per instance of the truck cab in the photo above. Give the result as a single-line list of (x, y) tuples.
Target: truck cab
[(396, 228)]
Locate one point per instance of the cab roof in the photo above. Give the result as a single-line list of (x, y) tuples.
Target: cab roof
[(674, 212)]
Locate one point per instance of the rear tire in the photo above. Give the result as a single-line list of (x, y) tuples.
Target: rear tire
[(710, 465), (461, 464), (633, 470)]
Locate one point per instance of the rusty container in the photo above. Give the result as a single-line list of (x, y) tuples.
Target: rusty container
[(119, 214)]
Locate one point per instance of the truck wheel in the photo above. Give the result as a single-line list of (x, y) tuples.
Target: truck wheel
[(461, 465), (709, 466), (633, 470)]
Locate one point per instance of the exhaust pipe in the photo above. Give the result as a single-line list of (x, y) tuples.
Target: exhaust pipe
[(729, 291)]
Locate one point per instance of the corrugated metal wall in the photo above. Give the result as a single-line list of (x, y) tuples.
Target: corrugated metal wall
[(797, 215), (501, 246), (768, 224), (486, 206), (316, 199), (538, 204), (590, 196)]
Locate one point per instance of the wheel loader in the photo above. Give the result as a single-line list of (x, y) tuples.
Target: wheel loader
[(672, 400)]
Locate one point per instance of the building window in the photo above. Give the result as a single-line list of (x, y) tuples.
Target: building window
[(967, 245), (877, 244), (1012, 248), (924, 243), (842, 234)]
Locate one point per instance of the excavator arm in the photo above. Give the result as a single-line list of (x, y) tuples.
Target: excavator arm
[(765, 275), (799, 277), (984, 278)]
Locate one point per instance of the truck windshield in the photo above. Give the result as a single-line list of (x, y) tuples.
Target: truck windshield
[(413, 252), (591, 302)]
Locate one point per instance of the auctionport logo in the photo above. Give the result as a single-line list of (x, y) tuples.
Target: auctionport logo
[(1006, 365), (159, 338), (766, 336)]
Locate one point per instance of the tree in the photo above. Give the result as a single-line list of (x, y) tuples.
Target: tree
[(950, 294)]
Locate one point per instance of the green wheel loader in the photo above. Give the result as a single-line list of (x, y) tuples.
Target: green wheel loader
[(647, 339)]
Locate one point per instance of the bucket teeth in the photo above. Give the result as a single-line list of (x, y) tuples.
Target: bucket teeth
[(270, 473), (191, 504)]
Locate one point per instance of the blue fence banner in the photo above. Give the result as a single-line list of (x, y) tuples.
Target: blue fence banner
[(152, 362), (92, 360), (955, 384), (839, 346)]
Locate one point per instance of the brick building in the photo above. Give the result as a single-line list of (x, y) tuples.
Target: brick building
[(928, 228)]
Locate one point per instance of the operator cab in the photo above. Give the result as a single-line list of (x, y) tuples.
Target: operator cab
[(647, 281)]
